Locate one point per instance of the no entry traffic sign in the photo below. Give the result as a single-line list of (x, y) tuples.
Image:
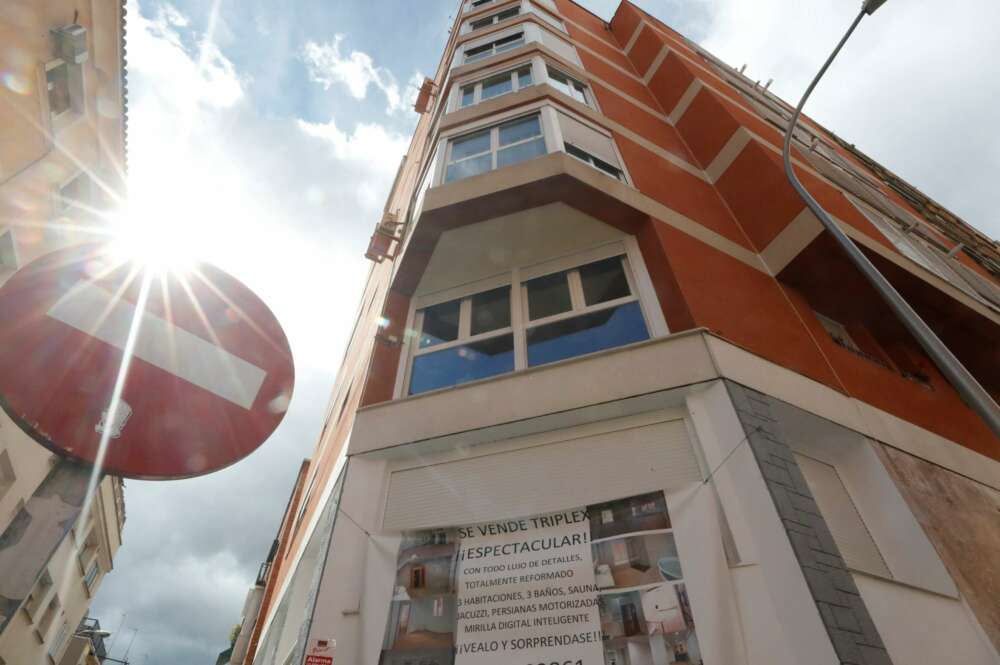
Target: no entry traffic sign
[(210, 372)]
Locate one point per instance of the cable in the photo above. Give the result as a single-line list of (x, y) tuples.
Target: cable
[(970, 390)]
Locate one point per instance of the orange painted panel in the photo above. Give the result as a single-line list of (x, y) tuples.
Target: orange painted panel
[(646, 48), (743, 305), (651, 240), (641, 122), (679, 190), (612, 53), (670, 81), (624, 21), (617, 78), (706, 126)]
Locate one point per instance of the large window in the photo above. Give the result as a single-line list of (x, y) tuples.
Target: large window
[(496, 46), (569, 86), (493, 19), (544, 319), (496, 85), (495, 147)]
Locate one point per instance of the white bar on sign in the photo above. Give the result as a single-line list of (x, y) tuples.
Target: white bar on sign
[(93, 310)]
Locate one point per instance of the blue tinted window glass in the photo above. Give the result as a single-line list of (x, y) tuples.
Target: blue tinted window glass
[(461, 364), (468, 95), (469, 167), (467, 146), (497, 85), (520, 152), (586, 334), (440, 323), (519, 130)]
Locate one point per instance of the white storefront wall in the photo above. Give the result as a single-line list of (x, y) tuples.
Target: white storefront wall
[(750, 602)]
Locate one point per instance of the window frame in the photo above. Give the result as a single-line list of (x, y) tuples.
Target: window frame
[(492, 43), (493, 18), (76, 85), (640, 287), (592, 161), (477, 84), (551, 132), (495, 147), (571, 82)]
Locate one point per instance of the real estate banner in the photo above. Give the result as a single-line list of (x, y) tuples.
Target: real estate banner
[(594, 585)]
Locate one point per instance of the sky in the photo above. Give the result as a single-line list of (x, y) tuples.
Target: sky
[(267, 134)]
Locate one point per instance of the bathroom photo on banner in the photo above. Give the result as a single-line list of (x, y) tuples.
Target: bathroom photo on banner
[(596, 585)]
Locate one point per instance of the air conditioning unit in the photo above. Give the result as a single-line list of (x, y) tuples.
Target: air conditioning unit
[(71, 43)]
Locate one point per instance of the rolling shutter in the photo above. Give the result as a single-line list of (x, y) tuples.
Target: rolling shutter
[(588, 140), (849, 531), (542, 478)]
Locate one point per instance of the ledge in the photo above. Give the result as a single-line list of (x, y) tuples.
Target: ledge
[(640, 377)]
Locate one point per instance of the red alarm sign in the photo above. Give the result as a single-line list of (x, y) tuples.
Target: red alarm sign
[(201, 367)]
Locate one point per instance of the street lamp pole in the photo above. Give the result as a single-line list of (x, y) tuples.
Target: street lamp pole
[(972, 392)]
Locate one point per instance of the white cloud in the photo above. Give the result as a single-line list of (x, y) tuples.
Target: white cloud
[(915, 87), (286, 207), (356, 72), (181, 80)]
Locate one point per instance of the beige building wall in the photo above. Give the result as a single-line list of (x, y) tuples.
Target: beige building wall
[(62, 148), (61, 123)]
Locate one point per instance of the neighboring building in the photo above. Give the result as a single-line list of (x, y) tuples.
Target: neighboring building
[(86, 646), (62, 153), (598, 312)]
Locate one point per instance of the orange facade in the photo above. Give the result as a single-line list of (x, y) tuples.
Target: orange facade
[(726, 242)]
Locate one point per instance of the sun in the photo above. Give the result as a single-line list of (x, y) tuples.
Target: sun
[(152, 240)]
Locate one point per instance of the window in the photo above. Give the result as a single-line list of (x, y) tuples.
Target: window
[(481, 3), (463, 340), (597, 163), (495, 86), (846, 526), (55, 648), (7, 476), (496, 147), (75, 193), (568, 86), (580, 311), (562, 314), (838, 332), (590, 146), (493, 19), (91, 576), (909, 246), (492, 48), (418, 577), (58, 84)]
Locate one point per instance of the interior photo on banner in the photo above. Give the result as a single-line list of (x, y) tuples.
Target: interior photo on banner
[(597, 585)]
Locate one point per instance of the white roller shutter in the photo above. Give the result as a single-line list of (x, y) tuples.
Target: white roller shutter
[(560, 47), (846, 526), (542, 478), (588, 140)]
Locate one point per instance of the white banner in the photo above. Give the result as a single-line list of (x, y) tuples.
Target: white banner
[(600, 585)]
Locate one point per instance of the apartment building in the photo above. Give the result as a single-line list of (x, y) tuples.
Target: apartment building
[(614, 396), (62, 148)]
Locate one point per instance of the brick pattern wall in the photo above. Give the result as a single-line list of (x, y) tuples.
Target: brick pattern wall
[(852, 631)]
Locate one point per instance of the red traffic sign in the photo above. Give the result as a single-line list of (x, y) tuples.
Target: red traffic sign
[(203, 368)]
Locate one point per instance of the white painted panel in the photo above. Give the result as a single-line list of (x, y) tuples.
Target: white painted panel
[(561, 47), (542, 478), (849, 531), (921, 628)]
